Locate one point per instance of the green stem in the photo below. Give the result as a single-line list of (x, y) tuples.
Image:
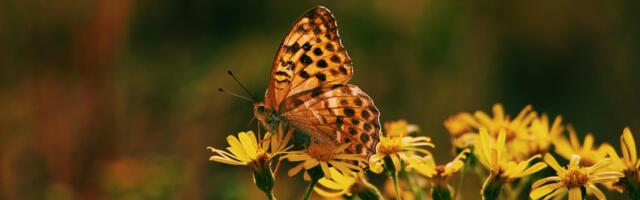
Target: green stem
[(631, 184), (413, 184), (462, 175), (515, 193), (393, 173), (441, 192), (492, 187), (394, 177), (263, 178), (307, 193), (270, 195)]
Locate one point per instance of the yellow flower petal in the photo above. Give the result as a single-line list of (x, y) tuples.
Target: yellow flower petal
[(295, 170), (556, 193), (236, 148), (225, 160), (502, 137), (533, 169), (544, 190), (628, 148), (551, 161), (540, 182), (594, 190), (574, 163), (325, 169), (575, 194), (588, 143)]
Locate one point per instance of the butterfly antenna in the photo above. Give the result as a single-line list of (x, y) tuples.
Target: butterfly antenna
[(235, 95), (241, 85), (251, 121)]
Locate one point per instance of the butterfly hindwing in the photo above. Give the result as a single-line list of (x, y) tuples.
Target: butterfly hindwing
[(311, 55), (341, 113)]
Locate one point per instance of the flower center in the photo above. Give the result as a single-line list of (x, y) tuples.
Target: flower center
[(322, 152), (389, 146), (575, 178)]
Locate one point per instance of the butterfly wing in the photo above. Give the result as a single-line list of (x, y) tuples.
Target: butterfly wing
[(311, 55), (340, 113)]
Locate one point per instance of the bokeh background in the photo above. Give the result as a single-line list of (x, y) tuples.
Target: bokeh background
[(117, 99)]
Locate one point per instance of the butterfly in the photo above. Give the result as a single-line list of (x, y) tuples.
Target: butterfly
[(308, 87)]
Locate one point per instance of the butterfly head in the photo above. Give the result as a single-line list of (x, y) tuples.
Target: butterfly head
[(261, 113)]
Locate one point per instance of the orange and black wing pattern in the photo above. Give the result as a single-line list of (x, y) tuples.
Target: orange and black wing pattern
[(339, 113), (311, 55)]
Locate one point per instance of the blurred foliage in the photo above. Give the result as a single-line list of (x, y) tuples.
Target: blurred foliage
[(116, 99)]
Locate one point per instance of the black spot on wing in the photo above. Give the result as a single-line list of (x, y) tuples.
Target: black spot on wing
[(365, 114), (344, 102), (366, 127), (304, 74), (306, 46), (317, 51), (364, 138), (358, 102), (322, 63), (343, 70), (349, 112), (293, 48), (321, 77), (358, 147), (316, 92), (353, 131), (281, 73), (305, 60), (297, 102), (328, 36), (336, 59), (329, 47)]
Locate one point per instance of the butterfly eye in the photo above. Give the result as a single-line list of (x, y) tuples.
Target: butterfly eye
[(261, 109)]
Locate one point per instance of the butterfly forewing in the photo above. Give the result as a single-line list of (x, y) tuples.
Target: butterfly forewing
[(311, 55), (339, 113)]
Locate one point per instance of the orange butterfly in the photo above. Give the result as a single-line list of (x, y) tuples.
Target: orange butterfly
[(308, 90)]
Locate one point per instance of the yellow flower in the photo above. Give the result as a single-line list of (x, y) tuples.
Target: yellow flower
[(428, 167), (574, 177), (439, 174), (338, 185), (520, 141), (399, 128), (398, 149), (542, 135), (465, 141), (629, 153), (492, 154), (344, 185), (325, 155), (588, 153), (244, 150), (460, 124), (501, 121), (629, 165)]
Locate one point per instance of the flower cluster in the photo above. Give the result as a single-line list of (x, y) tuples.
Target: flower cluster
[(509, 154)]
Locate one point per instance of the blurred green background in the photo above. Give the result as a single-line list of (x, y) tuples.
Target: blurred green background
[(116, 99)]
